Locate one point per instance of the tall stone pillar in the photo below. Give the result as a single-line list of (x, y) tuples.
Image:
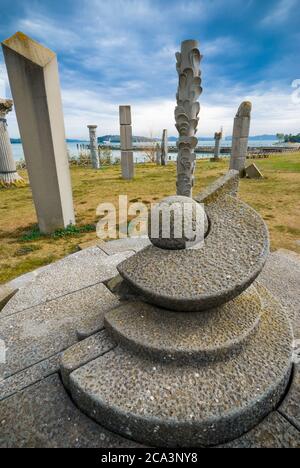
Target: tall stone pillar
[(158, 154), (186, 113), (94, 146), (34, 81), (164, 148), (218, 138), (8, 171), (240, 137), (127, 164)]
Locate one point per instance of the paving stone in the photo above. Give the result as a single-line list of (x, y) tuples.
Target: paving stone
[(188, 337), (84, 352), (29, 376), (272, 432), (281, 275), (44, 416), (6, 293), (123, 245), (233, 254), (73, 273), (290, 407), (189, 405), (42, 331)]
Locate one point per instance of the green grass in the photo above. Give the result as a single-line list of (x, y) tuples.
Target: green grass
[(23, 248)]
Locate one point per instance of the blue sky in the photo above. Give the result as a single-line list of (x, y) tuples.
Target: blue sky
[(122, 52)]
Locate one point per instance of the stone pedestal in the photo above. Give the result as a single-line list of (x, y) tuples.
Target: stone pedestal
[(127, 164), (8, 171), (240, 138), (33, 75), (94, 146)]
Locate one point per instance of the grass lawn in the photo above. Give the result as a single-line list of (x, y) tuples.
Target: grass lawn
[(22, 249)]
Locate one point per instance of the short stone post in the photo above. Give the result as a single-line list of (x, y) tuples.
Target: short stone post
[(127, 164), (8, 170), (186, 113), (164, 148), (240, 138), (218, 138), (94, 146), (34, 81), (158, 154)]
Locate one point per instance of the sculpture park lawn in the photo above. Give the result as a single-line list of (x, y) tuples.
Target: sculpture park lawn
[(23, 249)]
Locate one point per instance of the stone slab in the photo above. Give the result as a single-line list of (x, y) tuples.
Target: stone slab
[(6, 293), (281, 275), (272, 432), (125, 115), (225, 185), (124, 245), (126, 137), (252, 172), (75, 272), (42, 331), (169, 405), (186, 337), (84, 352), (43, 416), (29, 376), (232, 256), (290, 407), (127, 165)]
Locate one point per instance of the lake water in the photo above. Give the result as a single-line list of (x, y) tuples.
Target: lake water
[(139, 156)]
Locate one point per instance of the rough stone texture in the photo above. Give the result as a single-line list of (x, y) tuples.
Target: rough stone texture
[(44, 416), (186, 113), (195, 280), (187, 337), (134, 244), (34, 82), (42, 331), (177, 213), (273, 432), (281, 275), (75, 272), (170, 405), (6, 293), (29, 376), (225, 185), (290, 407), (252, 172), (127, 165), (83, 352)]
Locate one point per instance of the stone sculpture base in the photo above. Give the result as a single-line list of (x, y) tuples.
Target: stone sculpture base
[(233, 368), (127, 165), (11, 179)]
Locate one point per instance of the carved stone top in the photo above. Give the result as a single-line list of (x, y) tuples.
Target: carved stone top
[(218, 136), (6, 106), (245, 109)]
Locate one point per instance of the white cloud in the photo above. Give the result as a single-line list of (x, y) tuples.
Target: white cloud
[(280, 13)]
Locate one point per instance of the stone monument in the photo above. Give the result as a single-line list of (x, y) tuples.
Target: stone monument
[(127, 163), (186, 113), (164, 148), (8, 171), (218, 138), (34, 81), (94, 146), (240, 138)]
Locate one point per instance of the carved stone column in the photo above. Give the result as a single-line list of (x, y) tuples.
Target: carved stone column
[(164, 148), (218, 138), (8, 171), (127, 164), (186, 113), (94, 146), (240, 137)]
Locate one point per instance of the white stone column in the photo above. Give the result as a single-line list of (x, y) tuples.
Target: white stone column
[(34, 81), (94, 146), (186, 113), (164, 148), (240, 137), (127, 164), (218, 138), (8, 171)]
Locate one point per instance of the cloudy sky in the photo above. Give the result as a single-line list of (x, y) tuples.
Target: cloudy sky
[(114, 52)]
